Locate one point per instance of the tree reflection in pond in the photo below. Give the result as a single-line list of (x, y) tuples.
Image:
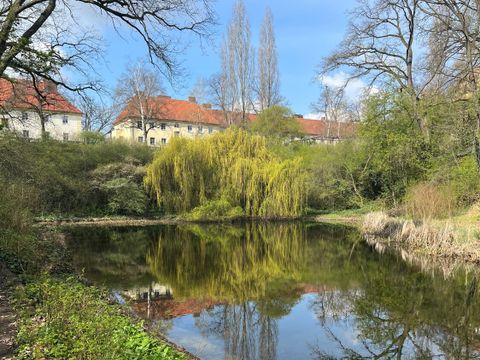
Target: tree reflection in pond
[(289, 290)]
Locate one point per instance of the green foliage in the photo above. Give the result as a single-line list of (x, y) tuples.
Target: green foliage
[(464, 181), (76, 322), (234, 165), (121, 184), (62, 176), (276, 122), (92, 137), (220, 209)]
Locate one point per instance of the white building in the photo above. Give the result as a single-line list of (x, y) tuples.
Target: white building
[(22, 109)]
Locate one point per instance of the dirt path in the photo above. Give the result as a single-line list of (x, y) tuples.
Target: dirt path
[(8, 328)]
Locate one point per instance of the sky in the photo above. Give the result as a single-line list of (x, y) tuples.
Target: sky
[(306, 31)]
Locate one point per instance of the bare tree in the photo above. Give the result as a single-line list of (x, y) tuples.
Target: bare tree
[(268, 77), (38, 37), (97, 116), (237, 57), (456, 35), (223, 86), (380, 45), (138, 88)]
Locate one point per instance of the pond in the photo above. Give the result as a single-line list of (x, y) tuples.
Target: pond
[(281, 291)]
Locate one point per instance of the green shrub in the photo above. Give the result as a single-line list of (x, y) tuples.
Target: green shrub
[(465, 181), (125, 197), (76, 322), (220, 209)]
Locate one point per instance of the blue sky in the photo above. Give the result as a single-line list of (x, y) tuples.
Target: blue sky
[(306, 31)]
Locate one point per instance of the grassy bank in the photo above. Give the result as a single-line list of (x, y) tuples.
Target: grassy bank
[(61, 318), (454, 239)]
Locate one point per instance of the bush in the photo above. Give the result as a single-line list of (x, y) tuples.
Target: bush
[(427, 201), (76, 322), (465, 182), (220, 209)]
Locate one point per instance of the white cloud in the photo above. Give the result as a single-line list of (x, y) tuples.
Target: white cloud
[(314, 116), (355, 88)]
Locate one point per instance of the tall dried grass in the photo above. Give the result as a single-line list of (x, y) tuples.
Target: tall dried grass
[(427, 201), (437, 239)]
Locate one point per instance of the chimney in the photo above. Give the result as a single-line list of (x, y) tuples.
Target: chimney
[(207, 106), (192, 99), (300, 116)]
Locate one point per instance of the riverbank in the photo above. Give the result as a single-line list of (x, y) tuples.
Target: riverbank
[(48, 311), (455, 240)]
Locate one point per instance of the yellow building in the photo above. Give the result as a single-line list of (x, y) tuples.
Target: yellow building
[(170, 117)]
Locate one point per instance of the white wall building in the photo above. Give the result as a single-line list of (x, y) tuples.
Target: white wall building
[(21, 107)]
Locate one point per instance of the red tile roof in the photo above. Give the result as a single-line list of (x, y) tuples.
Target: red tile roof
[(21, 94), (168, 109)]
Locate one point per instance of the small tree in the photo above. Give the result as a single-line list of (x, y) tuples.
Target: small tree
[(137, 87), (277, 122)]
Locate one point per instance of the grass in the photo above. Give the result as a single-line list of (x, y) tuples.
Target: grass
[(64, 319), (456, 238)]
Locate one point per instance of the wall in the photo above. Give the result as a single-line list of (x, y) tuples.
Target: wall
[(128, 131), (54, 126)]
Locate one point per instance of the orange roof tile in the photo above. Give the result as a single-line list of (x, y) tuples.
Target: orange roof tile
[(21, 94), (168, 109)]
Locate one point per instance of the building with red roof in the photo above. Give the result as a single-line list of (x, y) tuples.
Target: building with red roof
[(24, 107), (186, 118)]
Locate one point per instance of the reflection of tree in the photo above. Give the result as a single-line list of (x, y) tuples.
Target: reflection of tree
[(225, 262), (112, 256), (247, 332), (400, 312)]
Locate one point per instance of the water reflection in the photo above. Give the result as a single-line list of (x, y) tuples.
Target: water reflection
[(282, 291)]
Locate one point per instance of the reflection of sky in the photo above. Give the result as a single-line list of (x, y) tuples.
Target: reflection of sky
[(300, 333)]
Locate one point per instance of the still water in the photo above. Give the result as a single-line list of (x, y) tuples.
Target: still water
[(281, 291)]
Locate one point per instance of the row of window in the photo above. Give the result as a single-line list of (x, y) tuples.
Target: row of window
[(49, 117), (163, 141), (26, 135), (163, 126)]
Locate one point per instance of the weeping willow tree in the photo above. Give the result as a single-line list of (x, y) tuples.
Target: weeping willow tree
[(235, 166), (228, 263)]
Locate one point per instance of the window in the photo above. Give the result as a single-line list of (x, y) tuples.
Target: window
[(65, 136), (24, 116), (26, 135), (65, 119), (164, 141), (140, 139), (210, 130), (152, 141), (189, 128), (48, 118), (200, 129), (176, 133), (177, 125), (163, 126), (139, 125)]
